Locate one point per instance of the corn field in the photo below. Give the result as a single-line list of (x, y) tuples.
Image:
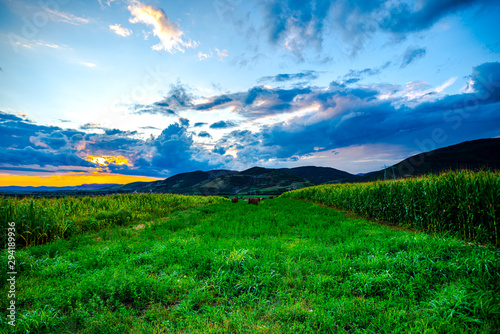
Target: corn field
[(462, 203), (43, 220)]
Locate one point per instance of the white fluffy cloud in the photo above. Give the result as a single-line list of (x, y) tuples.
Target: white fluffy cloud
[(169, 33), (119, 30)]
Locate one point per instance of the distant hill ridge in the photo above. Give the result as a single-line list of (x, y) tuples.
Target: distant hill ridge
[(83, 187), (474, 155)]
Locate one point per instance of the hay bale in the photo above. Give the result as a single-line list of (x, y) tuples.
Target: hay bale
[(234, 200), (253, 201), (271, 197)]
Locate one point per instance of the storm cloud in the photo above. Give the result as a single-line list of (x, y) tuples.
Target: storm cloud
[(298, 25), (411, 55), (316, 120)]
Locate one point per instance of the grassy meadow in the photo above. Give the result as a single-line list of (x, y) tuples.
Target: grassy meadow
[(47, 219), (284, 266), (462, 203)]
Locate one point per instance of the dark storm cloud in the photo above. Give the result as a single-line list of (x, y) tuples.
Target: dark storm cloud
[(184, 121), (369, 121), (297, 25), (174, 150), (248, 144), (361, 123), (32, 156), (91, 126), (404, 17), (148, 128), (178, 98), (485, 81), (305, 75), (320, 119), (354, 76), (71, 133), (204, 134), (23, 143), (262, 101), (257, 102), (100, 143), (158, 108), (9, 117), (16, 132), (215, 102), (284, 95), (27, 169), (219, 150), (358, 116), (411, 55), (26, 143), (222, 125), (107, 131), (55, 140), (111, 132)]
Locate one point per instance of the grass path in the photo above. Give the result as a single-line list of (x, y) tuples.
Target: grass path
[(283, 266)]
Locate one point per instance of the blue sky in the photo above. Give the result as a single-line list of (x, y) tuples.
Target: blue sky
[(176, 86)]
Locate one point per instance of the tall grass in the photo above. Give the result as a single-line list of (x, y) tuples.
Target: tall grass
[(46, 219), (463, 203), (283, 266)]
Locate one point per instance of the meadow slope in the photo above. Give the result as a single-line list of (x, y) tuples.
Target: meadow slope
[(283, 266)]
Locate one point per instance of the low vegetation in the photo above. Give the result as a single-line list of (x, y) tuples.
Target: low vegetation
[(464, 204), (282, 266), (47, 219)]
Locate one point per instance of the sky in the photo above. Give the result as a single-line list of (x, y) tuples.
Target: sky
[(117, 91)]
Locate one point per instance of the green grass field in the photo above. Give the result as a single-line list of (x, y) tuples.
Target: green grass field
[(47, 219), (465, 204), (284, 266)]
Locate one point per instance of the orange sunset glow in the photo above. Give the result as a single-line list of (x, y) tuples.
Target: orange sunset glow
[(70, 179), (105, 160)]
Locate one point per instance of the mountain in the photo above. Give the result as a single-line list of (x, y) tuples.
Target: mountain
[(320, 175), (134, 186), (253, 180), (185, 182), (473, 155), (83, 187)]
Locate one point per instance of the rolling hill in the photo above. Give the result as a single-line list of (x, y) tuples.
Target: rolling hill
[(256, 179), (320, 175), (472, 155)]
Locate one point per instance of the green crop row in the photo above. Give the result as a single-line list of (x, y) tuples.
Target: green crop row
[(43, 220), (462, 203)]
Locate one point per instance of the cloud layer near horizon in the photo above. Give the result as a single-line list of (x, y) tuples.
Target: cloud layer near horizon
[(270, 126)]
